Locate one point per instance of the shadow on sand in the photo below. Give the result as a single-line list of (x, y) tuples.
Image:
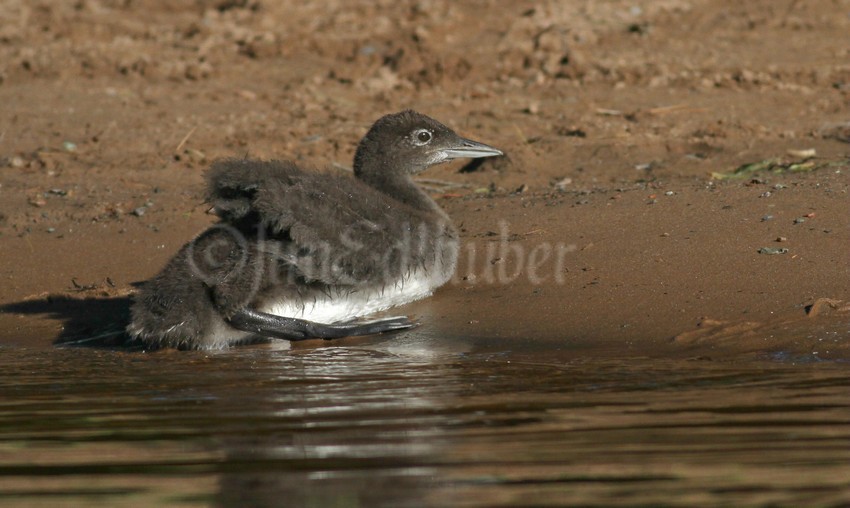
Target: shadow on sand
[(96, 322)]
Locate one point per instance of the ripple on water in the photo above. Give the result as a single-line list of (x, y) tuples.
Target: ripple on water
[(371, 426)]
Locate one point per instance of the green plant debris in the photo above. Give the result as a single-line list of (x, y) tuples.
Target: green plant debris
[(773, 250), (774, 165)]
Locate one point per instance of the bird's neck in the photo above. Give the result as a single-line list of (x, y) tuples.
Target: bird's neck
[(405, 190), (400, 187)]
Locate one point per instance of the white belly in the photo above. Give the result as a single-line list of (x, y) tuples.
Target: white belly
[(344, 304)]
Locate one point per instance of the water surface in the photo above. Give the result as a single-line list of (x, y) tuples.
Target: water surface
[(413, 421)]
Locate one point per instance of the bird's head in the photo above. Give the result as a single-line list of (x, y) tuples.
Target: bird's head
[(407, 143)]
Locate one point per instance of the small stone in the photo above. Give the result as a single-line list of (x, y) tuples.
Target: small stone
[(767, 218), (773, 250), (69, 146), (37, 201), (608, 112), (807, 153), (669, 193), (799, 220), (562, 183), (781, 239), (138, 212)]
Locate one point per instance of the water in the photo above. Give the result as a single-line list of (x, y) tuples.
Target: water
[(418, 422)]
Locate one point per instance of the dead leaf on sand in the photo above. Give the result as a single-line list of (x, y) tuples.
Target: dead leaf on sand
[(826, 306)]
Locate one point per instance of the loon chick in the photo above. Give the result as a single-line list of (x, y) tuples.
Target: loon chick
[(299, 255)]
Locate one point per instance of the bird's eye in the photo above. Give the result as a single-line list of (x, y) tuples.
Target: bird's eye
[(422, 136)]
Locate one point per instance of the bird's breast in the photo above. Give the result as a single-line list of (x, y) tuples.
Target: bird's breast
[(341, 303)]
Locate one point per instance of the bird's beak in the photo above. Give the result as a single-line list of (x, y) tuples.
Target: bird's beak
[(468, 149)]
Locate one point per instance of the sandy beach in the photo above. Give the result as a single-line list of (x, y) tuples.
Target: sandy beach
[(616, 221)]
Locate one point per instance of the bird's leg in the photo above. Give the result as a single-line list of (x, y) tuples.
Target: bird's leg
[(292, 329)]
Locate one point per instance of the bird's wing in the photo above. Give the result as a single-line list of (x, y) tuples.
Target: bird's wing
[(234, 184), (331, 229)]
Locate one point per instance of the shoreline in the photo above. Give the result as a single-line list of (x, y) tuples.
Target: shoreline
[(648, 278)]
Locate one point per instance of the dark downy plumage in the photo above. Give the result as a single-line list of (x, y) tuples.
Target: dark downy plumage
[(301, 255)]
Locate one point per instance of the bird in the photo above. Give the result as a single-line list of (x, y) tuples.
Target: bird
[(300, 254)]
